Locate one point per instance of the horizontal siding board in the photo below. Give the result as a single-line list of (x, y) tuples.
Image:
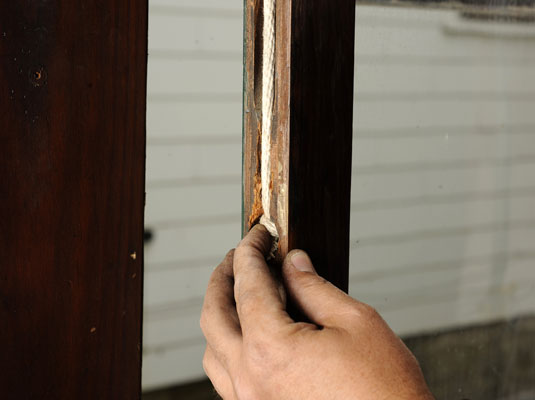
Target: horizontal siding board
[(194, 119), (170, 328), (422, 114), (165, 366), (182, 32), (195, 76), (172, 286), (190, 242), (186, 161), (192, 202), (387, 78), (393, 289), (369, 152), (371, 226), (427, 251), (207, 4), (370, 189), (475, 307)]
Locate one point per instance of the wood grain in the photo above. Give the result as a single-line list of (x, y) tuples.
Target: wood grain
[(311, 145), (72, 134)]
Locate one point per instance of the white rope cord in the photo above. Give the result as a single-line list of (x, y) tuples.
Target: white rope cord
[(268, 95)]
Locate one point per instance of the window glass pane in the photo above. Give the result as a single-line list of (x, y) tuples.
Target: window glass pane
[(443, 190)]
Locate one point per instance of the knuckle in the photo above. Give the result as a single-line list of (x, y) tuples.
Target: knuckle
[(203, 321), (358, 315), (267, 356), (249, 303), (212, 282), (368, 312), (224, 268), (238, 285), (220, 269), (244, 388), (259, 351), (313, 282), (246, 252), (230, 254), (253, 243)]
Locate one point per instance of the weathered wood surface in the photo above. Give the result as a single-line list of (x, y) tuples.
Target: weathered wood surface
[(72, 136), (312, 133)]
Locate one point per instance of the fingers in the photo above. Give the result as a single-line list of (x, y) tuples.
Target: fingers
[(219, 320), (258, 300), (321, 301), (218, 375)]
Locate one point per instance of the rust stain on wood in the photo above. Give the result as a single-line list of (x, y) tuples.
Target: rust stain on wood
[(257, 210)]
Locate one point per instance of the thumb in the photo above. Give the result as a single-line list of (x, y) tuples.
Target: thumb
[(321, 301)]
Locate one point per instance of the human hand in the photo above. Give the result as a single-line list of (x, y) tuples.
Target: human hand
[(256, 351)]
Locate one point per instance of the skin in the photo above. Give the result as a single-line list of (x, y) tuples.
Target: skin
[(255, 351)]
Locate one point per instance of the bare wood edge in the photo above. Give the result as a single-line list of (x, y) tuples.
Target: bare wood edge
[(281, 146), (251, 138), (252, 207)]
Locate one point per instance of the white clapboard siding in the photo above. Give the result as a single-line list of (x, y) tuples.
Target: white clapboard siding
[(182, 32), (443, 189), (165, 76), (196, 202), (392, 189), (470, 306), (425, 250), (420, 113), (423, 217), (196, 118), (193, 241), (173, 364), (187, 161)]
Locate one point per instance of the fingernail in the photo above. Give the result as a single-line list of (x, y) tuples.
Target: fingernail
[(301, 261)]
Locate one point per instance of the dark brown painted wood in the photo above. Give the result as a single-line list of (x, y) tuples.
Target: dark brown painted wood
[(72, 142), (312, 133)]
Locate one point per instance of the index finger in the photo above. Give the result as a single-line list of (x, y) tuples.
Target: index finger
[(258, 300)]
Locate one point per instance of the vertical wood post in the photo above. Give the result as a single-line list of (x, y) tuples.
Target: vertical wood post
[(312, 130), (72, 140)]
